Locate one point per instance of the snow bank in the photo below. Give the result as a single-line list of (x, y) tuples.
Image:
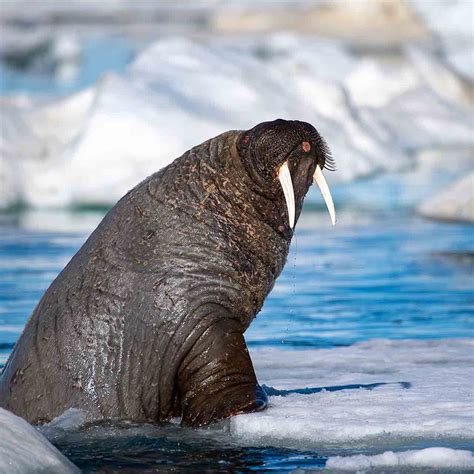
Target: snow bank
[(452, 23), (429, 457), (23, 449), (377, 394), (454, 203), (94, 146), (34, 141)]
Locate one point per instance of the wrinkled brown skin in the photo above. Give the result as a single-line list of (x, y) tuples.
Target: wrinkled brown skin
[(146, 321)]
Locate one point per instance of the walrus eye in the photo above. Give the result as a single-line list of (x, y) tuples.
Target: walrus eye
[(320, 180), (287, 185)]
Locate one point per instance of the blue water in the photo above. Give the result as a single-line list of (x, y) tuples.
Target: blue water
[(98, 54), (385, 275), (380, 275), (131, 447), (375, 275)]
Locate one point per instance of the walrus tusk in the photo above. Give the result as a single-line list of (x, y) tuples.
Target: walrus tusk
[(287, 185), (320, 180)]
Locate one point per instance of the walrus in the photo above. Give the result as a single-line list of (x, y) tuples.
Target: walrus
[(146, 321)]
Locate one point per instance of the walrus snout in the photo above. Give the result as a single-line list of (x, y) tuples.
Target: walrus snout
[(285, 150)]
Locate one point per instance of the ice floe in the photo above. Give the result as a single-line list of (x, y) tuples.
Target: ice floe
[(429, 457), (23, 449), (453, 203), (379, 393), (34, 141), (376, 116)]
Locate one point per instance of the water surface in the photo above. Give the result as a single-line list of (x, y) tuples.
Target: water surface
[(376, 275)]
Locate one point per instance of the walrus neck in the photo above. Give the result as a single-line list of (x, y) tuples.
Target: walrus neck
[(249, 229), (227, 228)]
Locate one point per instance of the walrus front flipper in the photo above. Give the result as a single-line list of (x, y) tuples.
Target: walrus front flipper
[(216, 379)]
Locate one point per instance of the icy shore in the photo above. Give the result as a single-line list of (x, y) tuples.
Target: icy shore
[(377, 394), (377, 116), (377, 404)]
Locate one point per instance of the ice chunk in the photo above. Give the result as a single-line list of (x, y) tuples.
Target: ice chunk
[(454, 203), (389, 81), (71, 420), (32, 142), (451, 23), (25, 449), (436, 75), (134, 132), (418, 120), (429, 457), (17, 144)]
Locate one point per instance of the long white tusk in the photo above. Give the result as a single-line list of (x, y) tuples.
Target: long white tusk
[(287, 185), (318, 178)]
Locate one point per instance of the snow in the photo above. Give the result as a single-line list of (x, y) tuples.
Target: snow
[(453, 24), (376, 393), (376, 116), (429, 457), (33, 141), (454, 203), (23, 449)]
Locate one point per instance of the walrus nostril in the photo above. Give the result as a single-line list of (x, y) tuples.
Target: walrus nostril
[(306, 147)]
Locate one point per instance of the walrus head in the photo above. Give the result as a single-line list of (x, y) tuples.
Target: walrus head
[(287, 156)]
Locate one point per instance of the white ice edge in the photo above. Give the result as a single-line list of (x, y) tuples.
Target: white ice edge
[(439, 457), (414, 389)]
